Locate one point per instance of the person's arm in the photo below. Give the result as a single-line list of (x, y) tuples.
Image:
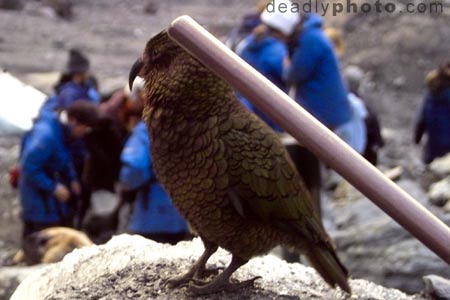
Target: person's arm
[(32, 166), (304, 58), (94, 95), (132, 177), (274, 64), (136, 164), (69, 169)]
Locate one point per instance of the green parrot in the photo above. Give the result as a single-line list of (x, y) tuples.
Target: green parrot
[(225, 170)]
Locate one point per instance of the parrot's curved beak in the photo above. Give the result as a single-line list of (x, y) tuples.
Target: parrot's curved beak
[(134, 72)]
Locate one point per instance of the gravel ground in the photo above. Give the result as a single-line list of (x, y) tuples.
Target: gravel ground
[(141, 268)]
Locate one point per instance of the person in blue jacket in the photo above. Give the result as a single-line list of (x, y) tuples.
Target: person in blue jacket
[(314, 72), (48, 179), (265, 52), (75, 83), (154, 216), (434, 117)]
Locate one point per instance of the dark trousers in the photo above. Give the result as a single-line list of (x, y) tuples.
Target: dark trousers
[(308, 166)]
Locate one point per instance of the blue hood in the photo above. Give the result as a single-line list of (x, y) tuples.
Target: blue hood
[(313, 20)]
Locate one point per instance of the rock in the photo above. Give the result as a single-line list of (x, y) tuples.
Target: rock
[(446, 208), (354, 75), (62, 8), (439, 192), (131, 267), (437, 287), (440, 166), (354, 209), (11, 4), (399, 81), (151, 7), (383, 252), (11, 277), (344, 190), (394, 174), (415, 189), (375, 247)]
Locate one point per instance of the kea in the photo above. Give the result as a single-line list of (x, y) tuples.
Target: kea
[(225, 170)]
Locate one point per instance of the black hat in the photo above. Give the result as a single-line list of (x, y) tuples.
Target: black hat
[(77, 62)]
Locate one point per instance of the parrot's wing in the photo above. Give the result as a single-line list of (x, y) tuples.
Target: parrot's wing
[(264, 183)]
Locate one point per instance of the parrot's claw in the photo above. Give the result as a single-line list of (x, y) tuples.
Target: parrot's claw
[(216, 286), (198, 282), (184, 280), (178, 281), (205, 273), (197, 270)]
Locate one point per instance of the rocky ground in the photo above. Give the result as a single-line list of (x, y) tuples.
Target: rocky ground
[(135, 268), (395, 51)]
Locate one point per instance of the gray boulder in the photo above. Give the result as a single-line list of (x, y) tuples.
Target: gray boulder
[(11, 277), (375, 247), (131, 267), (440, 166), (439, 192), (11, 4), (437, 287)]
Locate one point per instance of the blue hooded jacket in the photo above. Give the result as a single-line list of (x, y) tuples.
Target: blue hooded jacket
[(66, 94), (265, 54), (434, 120), (314, 71), (70, 91), (45, 160), (153, 211)]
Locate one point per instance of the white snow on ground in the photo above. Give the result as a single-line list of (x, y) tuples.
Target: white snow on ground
[(19, 104)]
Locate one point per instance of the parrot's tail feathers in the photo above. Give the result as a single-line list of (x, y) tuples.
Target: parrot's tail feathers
[(327, 264)]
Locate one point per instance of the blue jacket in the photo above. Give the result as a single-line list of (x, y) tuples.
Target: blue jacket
[(153, 210), (314, 71), (434, 120), (66, 94), (69, 92), (266, 55), (45, 160)]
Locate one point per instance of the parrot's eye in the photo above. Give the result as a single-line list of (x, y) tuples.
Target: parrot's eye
[(155, 53)]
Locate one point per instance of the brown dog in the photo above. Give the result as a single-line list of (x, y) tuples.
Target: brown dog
[(50, 245)]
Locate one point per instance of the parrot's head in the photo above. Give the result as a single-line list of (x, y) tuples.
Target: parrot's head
[(174, 78), (163, 63)]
